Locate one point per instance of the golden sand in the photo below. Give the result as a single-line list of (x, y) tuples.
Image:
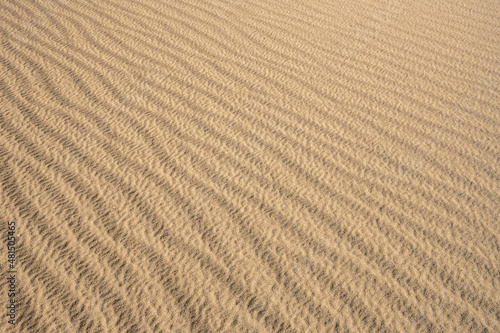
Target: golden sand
[(251, 166)]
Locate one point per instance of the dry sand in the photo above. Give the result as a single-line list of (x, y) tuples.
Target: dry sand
[(251, 166)]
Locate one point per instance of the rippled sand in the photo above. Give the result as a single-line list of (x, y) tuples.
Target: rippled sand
[(251, 166)]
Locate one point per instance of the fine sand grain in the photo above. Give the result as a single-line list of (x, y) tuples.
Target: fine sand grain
[(251, 166)]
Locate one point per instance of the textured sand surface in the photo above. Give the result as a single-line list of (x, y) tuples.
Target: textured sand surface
[(251, 166)]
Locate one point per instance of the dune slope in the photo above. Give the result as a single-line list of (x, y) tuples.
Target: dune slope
[(251, 166)]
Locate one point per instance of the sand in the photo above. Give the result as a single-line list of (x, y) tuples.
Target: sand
[(251, 166)]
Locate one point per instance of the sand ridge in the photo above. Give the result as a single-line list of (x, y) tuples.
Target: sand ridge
[(251, 166)]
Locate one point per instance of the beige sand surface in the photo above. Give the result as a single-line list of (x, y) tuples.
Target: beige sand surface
[(251, 166)]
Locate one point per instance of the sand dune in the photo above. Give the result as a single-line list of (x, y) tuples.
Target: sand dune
[(251, 166)]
